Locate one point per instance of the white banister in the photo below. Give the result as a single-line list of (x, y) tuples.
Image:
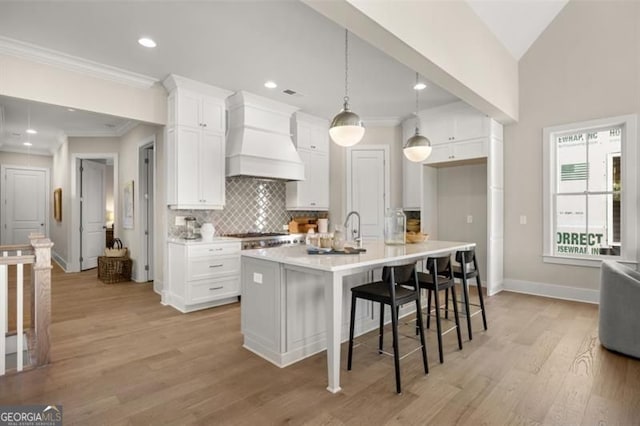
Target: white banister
[(4, 313), (19, 313), (35, 340)]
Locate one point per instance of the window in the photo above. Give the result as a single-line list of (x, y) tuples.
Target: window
[(590, 191)]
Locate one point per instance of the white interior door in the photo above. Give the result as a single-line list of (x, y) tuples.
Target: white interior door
[(25, 204), (148, 212), (92, 210), (368, 188)]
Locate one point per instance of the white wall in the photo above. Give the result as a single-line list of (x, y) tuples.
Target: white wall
[(443, 40), (60, 178), (584, 66), (52, 85), (462, 192), (25, 160), (129, 151), (390, 136)]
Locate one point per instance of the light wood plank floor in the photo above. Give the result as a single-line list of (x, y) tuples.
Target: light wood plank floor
[(119, 357)]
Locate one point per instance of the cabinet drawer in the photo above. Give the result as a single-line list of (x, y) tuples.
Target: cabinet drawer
[(213, 249), (213, 266), (207, 290)]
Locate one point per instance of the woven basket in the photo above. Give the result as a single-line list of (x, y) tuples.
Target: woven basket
[(116, 249), (114, 269)]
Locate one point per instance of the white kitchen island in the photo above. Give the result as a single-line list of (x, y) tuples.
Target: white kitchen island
[(292, 302)]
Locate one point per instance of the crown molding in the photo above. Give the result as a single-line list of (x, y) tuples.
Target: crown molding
[(25, 150), (58, 59), (381, 121)]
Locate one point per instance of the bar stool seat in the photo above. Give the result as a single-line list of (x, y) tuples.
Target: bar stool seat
[(467, 270), (440, 277), (399, 285)]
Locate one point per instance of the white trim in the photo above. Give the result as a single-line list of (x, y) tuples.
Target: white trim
[(630, 222), (25, 150), (142, 178), (73, 241), (59, 260), (554, 291), (68, 62), (174, 81), (586, 261)]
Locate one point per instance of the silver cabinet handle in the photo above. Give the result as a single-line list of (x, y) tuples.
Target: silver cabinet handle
[(313, 147), (216, 288), (216, 249), (216, 266)]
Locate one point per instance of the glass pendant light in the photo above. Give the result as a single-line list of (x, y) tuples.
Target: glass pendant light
[(346, 128), (417, 148)]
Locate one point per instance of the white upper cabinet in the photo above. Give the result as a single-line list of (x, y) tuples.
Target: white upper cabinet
[(453, 122), (311, 138), (195, 145)]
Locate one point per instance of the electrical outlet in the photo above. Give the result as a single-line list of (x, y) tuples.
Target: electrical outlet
[(285, 227), (523, 220), (257, 278), (179, 220), (469, 219)]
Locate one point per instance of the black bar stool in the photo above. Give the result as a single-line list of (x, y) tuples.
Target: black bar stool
[(440, 277), (399, 285), (469, 269)]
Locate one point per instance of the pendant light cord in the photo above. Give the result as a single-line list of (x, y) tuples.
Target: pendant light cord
[(346, 66), (417, 106)]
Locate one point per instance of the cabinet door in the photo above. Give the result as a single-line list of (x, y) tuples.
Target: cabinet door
[(467, 150), (319, 139), (313, 192), (439, 154), (187, 152), (188, 110), (302, 135), (212, 114), (439, 128), (470, 124), (211, 165)]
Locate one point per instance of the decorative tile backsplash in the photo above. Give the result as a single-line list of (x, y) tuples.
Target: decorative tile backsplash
[(252, 205)]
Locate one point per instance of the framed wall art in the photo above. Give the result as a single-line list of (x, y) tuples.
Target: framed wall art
[(127, 206)]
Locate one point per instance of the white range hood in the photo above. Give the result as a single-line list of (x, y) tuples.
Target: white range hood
[(259, 140)]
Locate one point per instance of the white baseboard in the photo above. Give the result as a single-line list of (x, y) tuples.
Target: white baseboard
[(158, 286), (554, 291), (59, 260)]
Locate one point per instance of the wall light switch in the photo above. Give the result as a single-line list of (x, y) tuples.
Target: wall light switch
[(469, 219), (179, 220), (257, 278), (523, 220)]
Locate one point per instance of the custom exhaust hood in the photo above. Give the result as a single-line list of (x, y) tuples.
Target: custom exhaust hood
[(259, 140)]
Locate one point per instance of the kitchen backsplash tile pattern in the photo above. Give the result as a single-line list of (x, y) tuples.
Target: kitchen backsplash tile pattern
[(252, 205)]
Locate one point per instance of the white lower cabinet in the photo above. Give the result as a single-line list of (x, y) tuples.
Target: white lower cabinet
[(284, 307), (202, 275)]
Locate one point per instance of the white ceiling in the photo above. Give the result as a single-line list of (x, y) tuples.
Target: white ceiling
[(517, 23), (233, 45)]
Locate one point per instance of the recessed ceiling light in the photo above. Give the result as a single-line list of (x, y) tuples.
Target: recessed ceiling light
[(32, 131), (71, 110), (270, 84), (420, 86), (147, 42), (27, 143)]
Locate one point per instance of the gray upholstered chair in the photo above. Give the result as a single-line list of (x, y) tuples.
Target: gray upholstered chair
[(620, 308)]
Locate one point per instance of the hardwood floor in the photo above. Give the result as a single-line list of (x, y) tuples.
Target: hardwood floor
[(119, 357)]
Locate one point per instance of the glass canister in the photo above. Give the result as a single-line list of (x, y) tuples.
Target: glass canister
[(395, 227)]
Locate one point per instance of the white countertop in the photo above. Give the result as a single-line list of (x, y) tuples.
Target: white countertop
[(377, 253), (199, 241)]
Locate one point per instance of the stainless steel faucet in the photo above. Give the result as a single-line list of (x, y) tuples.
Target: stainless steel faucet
[(357, 239)]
